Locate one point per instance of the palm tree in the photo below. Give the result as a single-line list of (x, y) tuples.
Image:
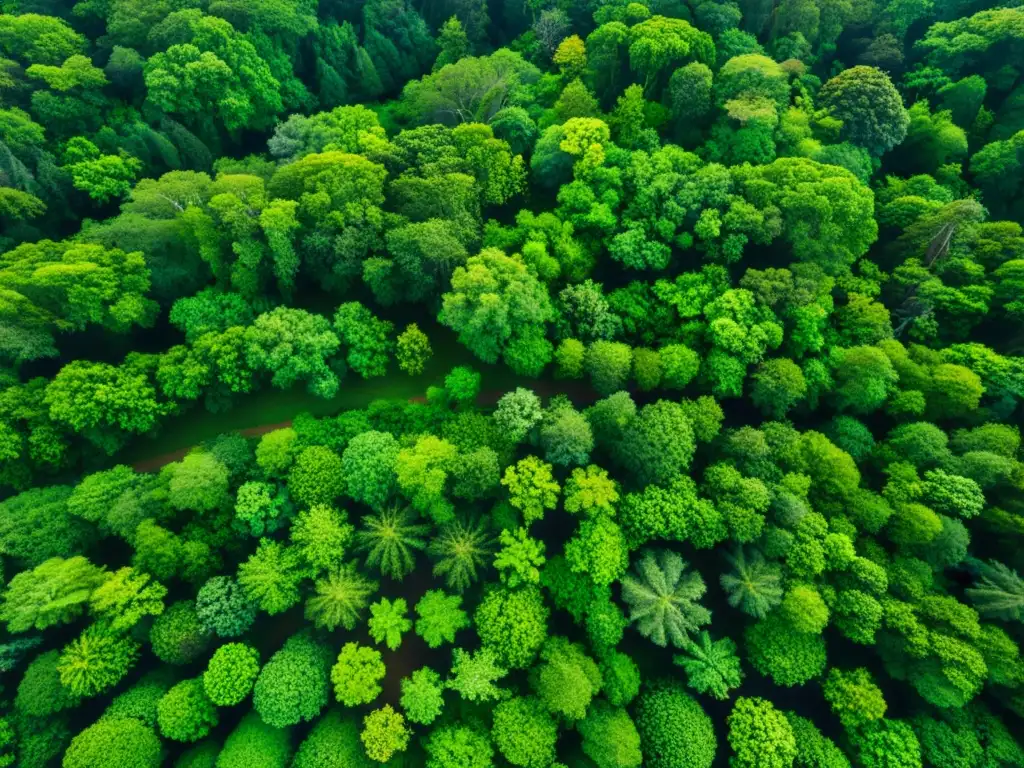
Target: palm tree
[(662, 598), (340, 597), (711, 667), (390, 541), (754, 585), (999, 593), (460, 551)]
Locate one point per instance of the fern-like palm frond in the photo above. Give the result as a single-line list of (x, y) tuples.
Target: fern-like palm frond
[(662, 598), (461, 551), (754, 585), (711, 667), (999, 592), (340, 597), (390, 541)]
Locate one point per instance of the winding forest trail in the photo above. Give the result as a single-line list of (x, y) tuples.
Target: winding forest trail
[(577, 390), (154, 463)]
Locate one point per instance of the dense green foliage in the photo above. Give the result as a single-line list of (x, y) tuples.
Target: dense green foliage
[(716, 310)]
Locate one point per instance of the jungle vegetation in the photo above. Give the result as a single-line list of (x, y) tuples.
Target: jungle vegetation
[(760, 263)]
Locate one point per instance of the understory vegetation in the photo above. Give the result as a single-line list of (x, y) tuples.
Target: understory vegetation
[(759, 265)]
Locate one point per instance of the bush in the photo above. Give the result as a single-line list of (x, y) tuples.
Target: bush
[(223, 609), (384, 734), (674, 731), (620, 678), (140, 701), (276, 451), (96, 660), (513, 623), (294, 685), (524, 732), (115, 744), (316, 477), (185, 712), (610, 738), (332, 743), (231, 673), (254, 744), (787, 657), (422, 696), (40, 692), (760, 735), (177, 635), (357, 675)]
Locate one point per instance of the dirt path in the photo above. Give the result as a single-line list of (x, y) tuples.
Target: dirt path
[(541, 387), (154, 463)]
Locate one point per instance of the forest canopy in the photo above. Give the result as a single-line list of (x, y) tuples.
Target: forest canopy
[(537, 384)]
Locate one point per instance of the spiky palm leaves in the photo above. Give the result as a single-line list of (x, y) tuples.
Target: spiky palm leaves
[(711, 667), (390, 541), (662, 598), (754, 585), (340, 597), (999, 592), (460, 551)]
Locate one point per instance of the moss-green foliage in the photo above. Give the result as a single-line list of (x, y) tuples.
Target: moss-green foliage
[(316, 476), (566, 679), (620, 678), (333, 742), (525, 732), (54, 592), (814, 750), (202, 755), (185, 712), (789, 658), (760, 735), (449, 746), (512, 623), (223, 608), (356, 675), (422, 696), (712, 666), (854, 697), (40, 692), (95, 661), (256, 744), (41, 523), (115, 743), (140, 701), (126, 597), (178, 636), (231, 673), (40, 742), (675, 732), (384, 734), (270, 577), (474, 675), (743, 279), (440, 616), (340, 598), (293, 685), (610, 738), (390, 542), (887, 742), (662, 598), (388, 622), (461, 550), (322, 533), (6, 742)]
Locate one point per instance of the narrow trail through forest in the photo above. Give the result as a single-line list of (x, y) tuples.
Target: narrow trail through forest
[(543, 388), (154, 463)]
